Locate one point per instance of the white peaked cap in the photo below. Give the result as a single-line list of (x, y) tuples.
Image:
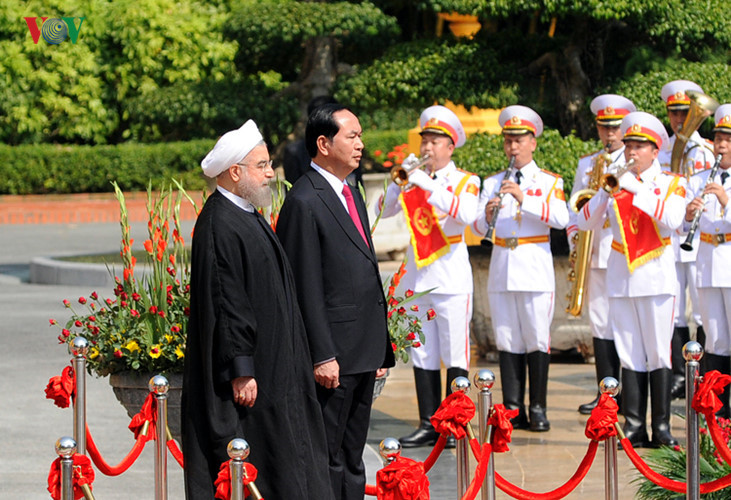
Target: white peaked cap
[(609, 109), (231, 148), (519, 119), (440, 120), (722, 119), (673, 93), (641, 126)]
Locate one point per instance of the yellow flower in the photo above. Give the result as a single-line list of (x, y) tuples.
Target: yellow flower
[(132, 346), (179, 352), (93, 353), (169, 339), (156, 351)]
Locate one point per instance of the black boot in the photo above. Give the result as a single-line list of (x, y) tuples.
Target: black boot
[(538, 387), (606, 364), (723, 365), (634, 404), (660, 380), (453, 373), (700, 337), (429, 396), (512, 378), (681, 336)]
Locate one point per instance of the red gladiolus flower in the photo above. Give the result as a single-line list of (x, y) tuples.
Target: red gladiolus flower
[(402, 310), (415, 308), (124, 296), (66, 303), (161, 313), (118, 354), (388, 164), (409, 293), (94, 295), (153, 309), (391, 291), (430, 314), (65, 332), (416, 344), (172, 259), (52, 322), (92, 318), (136, 296), (78, 323), (82, 300), (134, 313), (378, 152), (411, 336), (186, 311), (171, 271), (394, 347), (392, 302), (109, 302), (390, 313), (123, 303), (148, 246), (175, 329)]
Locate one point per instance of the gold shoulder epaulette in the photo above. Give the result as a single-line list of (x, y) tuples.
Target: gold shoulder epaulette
[(554, 174), (668, 172)]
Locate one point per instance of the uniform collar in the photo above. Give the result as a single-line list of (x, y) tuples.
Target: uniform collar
[(444, 172), (652, 172), (529, 170)]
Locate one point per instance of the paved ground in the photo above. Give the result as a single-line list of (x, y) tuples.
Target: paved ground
[(30, 424)]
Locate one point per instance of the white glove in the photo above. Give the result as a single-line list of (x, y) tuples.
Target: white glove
[(409, 160), (422, 179), (392, 194), (630, 183)]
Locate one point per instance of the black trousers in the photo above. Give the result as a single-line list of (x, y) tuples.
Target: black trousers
[(347, 412)]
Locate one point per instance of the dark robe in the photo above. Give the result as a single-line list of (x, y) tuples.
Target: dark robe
[(245, 321)]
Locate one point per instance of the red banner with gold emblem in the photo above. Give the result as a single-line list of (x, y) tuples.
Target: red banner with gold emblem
[(640, 237), (427, 237)]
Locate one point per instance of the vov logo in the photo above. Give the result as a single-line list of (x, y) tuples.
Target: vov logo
[(54, 30)]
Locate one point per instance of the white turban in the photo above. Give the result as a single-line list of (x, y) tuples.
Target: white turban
[(231, 148)]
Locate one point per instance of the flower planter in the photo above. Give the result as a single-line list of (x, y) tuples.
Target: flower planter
[(131, 389)]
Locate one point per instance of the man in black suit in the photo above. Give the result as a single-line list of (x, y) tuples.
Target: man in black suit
[(323, 226)]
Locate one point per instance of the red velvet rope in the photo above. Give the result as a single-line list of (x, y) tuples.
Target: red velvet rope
[(435, 452), (83, 475), (559, 492), (126, 463), (175, 452), (480, 471), (223, 481), (664, 482)]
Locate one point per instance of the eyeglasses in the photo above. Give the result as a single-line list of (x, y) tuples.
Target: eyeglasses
[(262, 165)]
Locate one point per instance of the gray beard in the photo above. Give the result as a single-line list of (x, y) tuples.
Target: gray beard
[(259, 196)]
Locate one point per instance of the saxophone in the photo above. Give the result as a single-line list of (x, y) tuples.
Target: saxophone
[(580, 256)]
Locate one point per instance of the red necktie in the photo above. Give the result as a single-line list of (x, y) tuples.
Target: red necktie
[(353, 211)]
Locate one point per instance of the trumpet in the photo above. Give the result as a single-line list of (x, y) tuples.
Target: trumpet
[(490, 234), (610, 181), (400, 173), (687, 245)]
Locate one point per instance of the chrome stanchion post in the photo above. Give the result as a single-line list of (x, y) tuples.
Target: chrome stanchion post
[(610, 385), (390, 450), (484, 380), (238, 450), (462, 384), (692, 352), (78, 348), (159, 386), (65, 448)]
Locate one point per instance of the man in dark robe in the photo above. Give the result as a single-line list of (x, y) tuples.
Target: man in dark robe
[(247, 367)]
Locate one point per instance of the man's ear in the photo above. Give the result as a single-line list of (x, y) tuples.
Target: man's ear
[(323, 145), (235, 172)]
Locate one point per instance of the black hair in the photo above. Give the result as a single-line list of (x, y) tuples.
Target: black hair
[(321, 122), (318, 101)]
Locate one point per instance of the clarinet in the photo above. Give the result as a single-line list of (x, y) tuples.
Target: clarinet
[(490, 235), (687, 245)]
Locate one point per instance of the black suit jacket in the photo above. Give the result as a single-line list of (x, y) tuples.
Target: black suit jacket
[(338, 282)]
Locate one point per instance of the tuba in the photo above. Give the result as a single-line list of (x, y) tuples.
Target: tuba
[(580, 257), (701, 107)]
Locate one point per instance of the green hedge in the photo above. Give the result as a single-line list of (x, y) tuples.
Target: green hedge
[(43, 168)]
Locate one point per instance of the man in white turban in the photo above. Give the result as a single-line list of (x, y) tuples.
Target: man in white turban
[(247, 366)]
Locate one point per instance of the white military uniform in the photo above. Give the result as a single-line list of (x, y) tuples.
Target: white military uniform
[(596, 293), (521, 284), (713, 277), (685, 261), (455, 200), (641, 303)]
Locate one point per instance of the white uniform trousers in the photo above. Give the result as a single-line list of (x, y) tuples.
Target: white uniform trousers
[(522, 320), (446, 337), (643, 329), (598, 304), (686, 272), (715, 306)]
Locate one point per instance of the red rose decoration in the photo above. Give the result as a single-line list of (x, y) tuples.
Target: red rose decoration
[(453, 414), (62, 388), (600, 425), (502, 427), (402, 479), (705, 399)]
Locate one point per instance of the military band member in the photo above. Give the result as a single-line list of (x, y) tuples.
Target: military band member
[(453, 195), (697, 158), (714, 252), (647, 207), (521, 284), (609, 110)]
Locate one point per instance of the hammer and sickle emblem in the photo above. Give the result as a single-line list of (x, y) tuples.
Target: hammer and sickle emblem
[(634, 222), (422, 221)]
